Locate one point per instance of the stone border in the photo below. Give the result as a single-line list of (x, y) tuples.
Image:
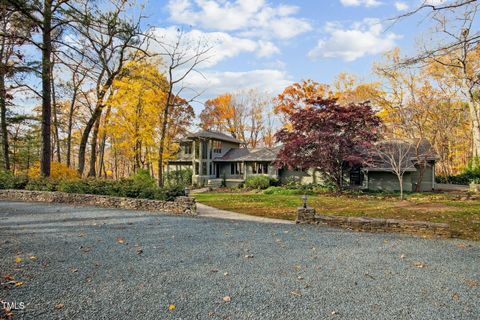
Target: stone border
[(181, 205), (422, 228)]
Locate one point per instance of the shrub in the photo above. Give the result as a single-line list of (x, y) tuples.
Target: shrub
[(257, 182), (42, 184), (178, 178), (171, 193), (10, 181), (57, 171)]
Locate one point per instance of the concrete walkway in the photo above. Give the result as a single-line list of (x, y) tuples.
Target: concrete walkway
[(210, 212)]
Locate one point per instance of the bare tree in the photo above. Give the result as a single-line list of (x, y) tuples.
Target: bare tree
[(110, 40), (182, 57), (395, 156)]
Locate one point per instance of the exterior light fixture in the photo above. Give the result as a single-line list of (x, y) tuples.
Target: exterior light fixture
[(187, 191), (304, 198)]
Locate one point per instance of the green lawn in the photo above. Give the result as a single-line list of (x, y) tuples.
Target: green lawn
[(462, 215)]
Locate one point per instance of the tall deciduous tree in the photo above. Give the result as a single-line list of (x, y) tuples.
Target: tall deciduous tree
[(182, 56), (110, 40), (14, 30), (327, 136)]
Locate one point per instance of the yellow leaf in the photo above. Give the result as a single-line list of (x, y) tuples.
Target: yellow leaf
[(18, 259), (33, 258), (18, 283), (171, 307)]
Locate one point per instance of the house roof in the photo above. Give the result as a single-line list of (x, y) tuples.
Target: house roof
[(388, 152), (213, 135), (245, 154)]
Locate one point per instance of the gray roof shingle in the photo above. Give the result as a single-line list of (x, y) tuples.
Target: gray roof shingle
[(213, 135), (244, 154)]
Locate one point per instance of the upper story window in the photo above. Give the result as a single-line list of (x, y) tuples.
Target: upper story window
[(217, 146), (187, 149)]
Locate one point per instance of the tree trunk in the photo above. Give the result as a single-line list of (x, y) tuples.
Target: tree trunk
[(46, 89), (400, 180), (55, 118), (3, 121), (103, 143), (161, 148), (475, 119), (93, 149), (96, 114), (70, 126)]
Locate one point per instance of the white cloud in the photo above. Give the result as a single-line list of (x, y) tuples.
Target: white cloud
[(248, 17), (401, 6), (215, 83), (223, 45), (362, 39), (357, 3)]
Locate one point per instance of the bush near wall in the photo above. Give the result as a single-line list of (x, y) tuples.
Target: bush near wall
[(259, 182), (140, 185), (178, 178)]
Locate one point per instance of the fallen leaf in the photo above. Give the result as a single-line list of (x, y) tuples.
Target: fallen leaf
[(296, 292), (18, 259), (225, 274), (248, 256), (420, 264), (120, 240), (402, 256), (214, 270), (73, 269), (300, 278), (472, 283), (59, 306), (8, 277), (227, 299), (33, 258), (18, 283), (334, 312), (171, 307), (456, 296), (139, 251)]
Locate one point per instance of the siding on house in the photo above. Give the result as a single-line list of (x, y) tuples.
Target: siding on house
[(387, 181)]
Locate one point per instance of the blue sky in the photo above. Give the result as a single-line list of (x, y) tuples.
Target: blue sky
[(269, 44)]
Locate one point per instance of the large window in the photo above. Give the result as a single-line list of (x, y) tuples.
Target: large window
[(236, 168), (217, 146), (188, 149), (204, 168), (260, 168)]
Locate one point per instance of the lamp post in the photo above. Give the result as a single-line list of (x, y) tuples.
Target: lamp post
[(304, 198), (187, 191)]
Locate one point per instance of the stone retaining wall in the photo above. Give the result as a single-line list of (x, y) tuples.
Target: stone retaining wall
[(422, 228), (181, 205)]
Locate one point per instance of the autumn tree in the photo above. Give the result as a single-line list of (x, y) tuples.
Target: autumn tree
[(110, 40), (241, 114), (328, 137)]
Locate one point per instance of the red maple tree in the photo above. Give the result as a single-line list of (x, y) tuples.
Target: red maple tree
[(328, 137)]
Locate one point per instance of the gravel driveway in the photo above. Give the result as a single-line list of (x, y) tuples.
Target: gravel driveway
[(87, 263)]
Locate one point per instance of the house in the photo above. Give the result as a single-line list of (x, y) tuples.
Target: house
[(215, 158)]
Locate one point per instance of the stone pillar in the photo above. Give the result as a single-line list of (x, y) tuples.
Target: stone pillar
[(305, 215)]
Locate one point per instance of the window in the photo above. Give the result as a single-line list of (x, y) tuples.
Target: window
[(196, 169), (204, 168), (217, 146), (236, 168), (260, 168), (188, 149)]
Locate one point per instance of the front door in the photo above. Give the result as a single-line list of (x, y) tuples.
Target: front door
[(217, 170)]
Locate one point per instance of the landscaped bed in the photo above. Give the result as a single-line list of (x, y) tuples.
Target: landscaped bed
[(463, 215)]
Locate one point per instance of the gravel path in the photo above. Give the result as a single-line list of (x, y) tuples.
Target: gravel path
[(88, 263)]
